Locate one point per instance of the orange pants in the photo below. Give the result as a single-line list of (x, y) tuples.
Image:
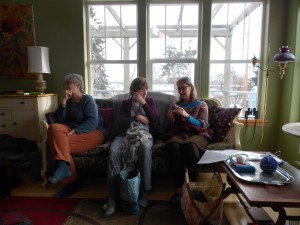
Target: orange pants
[(63, 145)]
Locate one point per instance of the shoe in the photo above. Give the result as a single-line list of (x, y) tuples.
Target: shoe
[(111, 207), (110, 211), (68, 190), (175, 199)]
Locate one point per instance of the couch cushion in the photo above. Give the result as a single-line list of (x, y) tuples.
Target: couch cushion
[(117, 101), (212, 102), (107, 115), (104, 102), (99, 150), (219, 146), (163, 102), (220, 121)]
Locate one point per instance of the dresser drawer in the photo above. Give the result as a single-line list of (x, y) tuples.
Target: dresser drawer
[(5, 114), (22, 124), (20, 103)]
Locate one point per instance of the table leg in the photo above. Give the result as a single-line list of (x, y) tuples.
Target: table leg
[(44, 127), (255, 214), (228, 191), (281, 217), (44, 165)]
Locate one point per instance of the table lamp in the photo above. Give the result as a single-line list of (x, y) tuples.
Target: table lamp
[(38, 63)]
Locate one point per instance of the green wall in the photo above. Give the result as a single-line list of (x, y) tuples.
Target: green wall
[(289, 106), (59, 26), (282, 27)]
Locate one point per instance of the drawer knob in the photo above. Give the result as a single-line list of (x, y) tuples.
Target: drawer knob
[(14, 123), (3, 125), (2, 114), (22, 103)]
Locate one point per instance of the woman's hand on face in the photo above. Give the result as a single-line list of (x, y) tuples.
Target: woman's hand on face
[(142, 119), (68, 94), (139, 98)]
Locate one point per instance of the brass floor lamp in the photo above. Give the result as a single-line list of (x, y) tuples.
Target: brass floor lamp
[(283, 57)]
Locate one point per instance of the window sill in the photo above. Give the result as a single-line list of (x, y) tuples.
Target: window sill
[(252, 122)]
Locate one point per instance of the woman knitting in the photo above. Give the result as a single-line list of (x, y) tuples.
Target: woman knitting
[(189, 133)]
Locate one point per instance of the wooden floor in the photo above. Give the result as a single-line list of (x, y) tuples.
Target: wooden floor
[(162, 190)]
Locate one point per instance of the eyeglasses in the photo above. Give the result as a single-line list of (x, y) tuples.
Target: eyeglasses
[(142, 90), (182, 88)]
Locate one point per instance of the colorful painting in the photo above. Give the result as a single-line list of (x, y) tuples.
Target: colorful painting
[(16, 33)]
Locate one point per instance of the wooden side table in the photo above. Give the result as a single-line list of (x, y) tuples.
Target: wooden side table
[(276, 197)]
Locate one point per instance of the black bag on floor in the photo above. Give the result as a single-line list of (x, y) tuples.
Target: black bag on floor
[(16, 150)]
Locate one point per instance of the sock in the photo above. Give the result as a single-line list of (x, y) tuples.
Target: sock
[(143, 202), (111, 207), (61, 172)]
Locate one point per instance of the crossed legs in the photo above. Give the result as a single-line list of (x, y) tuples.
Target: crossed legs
[(63, 146)]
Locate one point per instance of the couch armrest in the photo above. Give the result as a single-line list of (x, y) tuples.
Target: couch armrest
[(233, 135), (44, 128)]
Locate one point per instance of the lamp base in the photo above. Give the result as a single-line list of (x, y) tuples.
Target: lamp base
[(40, 83)]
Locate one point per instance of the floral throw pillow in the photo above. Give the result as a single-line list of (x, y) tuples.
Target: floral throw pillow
[(220, 121)]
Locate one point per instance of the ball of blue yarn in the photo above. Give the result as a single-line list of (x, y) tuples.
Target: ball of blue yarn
[(268, 164)]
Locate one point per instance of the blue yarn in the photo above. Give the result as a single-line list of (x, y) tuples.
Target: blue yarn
[(268, 164), (245, 168)]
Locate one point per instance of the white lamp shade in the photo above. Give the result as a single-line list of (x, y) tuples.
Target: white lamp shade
[(38, 59)]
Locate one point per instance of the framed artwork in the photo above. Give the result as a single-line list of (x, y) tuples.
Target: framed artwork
[(17, 32)]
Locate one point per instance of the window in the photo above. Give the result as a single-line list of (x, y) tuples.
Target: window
[(112, 37), (173, 44), (173, 33), (236, 33), (113, 45)]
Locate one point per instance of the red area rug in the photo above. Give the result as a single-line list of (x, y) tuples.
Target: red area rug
[(37, 211), (51, 211)]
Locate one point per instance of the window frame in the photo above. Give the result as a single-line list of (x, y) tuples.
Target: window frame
[(88, 38), (195, 61), (202, 63), (245, 61)]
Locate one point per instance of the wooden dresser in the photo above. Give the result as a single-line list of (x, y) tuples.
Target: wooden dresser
[(20, 115)]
